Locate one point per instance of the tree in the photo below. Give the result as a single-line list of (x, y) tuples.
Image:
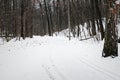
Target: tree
[(111, 36), (48, 17), (69, 19), (99, 16)]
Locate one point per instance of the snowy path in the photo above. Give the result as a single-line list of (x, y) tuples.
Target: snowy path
[(47, 58)]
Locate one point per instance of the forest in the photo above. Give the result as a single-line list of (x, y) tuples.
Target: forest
[(59, 39), (25, 18)]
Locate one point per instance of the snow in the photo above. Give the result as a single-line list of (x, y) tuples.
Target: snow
[(118, 26), (56, 58), (117, 1)]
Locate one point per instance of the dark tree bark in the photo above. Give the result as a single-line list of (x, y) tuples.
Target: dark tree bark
[(48, 18), (93, 17), (99, 18), (69, 27), (23, 2), (111, 36)]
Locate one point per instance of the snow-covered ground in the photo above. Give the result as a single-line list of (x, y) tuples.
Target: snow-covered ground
[(56, 58)]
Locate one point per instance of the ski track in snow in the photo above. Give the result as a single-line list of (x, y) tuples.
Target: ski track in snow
[(94, 67), (48, 72), (52, 70), (58, 71), (54, 63), (98, 68)]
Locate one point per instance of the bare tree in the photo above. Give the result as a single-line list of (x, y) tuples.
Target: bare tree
[(111, 36)]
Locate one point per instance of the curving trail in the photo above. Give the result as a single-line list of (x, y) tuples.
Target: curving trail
[(56, 58)]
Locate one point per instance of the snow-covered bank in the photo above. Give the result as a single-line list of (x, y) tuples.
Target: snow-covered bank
[(56, 58)]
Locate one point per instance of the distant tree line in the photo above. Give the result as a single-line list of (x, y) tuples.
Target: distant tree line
[(16, 18), (25, 18)]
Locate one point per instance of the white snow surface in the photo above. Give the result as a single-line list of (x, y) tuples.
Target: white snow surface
[(56, 58), (117, 2)]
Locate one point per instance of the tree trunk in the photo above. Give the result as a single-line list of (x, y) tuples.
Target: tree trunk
[(111, 40), (69, 19), (48, 18), (99, 18)]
